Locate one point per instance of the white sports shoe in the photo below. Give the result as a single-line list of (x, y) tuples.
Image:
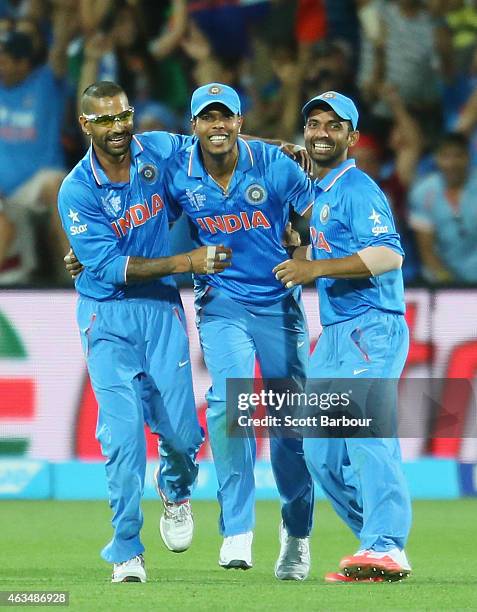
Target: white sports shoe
[(236, 551), (294, 561), (177, 523), (132, 570)]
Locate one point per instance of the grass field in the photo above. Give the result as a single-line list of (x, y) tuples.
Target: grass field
[(54, 546)]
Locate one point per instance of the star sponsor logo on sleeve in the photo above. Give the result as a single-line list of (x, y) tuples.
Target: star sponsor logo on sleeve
[(256, 194), (377, 228), (76, 229), (74, 216)]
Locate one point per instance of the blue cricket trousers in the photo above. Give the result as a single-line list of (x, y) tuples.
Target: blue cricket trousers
[(137, 353), (363, 477), (231, 335)]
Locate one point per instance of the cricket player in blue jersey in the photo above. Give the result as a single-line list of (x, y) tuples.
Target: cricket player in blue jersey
[(238, 193), (356, 258), (131, 320)]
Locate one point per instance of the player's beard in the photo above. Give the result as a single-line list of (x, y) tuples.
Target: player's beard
[(325, 160), (116, 150)]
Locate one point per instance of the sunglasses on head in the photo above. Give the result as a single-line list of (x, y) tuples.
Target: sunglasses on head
[(109, 120)]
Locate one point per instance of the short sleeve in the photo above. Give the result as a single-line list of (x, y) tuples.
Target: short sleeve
[(420, 209), (370, 217)]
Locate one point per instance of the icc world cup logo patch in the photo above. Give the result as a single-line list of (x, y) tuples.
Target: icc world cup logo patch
[(149, 173), (256, 194), (325, 214)]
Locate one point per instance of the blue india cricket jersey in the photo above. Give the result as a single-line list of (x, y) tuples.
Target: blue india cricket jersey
[(349, 214), (31, 115), (106, 222), (249, 218)]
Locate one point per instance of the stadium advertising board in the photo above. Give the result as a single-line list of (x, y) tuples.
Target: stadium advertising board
[(48, 411)]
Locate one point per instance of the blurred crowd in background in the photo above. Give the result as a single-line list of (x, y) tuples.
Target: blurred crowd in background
[(410, 65)]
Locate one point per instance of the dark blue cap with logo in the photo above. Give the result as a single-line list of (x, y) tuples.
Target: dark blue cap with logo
[(214, 93), (344, 107)]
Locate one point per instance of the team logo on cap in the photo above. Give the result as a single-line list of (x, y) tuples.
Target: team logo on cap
[(215, 89), (325, 214), (149, 173), (256, 194), (328, 94)]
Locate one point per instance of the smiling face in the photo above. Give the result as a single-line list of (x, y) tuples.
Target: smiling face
[(217, 129), (328, 137), (115, 139)]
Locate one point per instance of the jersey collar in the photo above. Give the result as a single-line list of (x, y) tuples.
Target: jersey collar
[(196, 167), (332, 177), (99, 175)]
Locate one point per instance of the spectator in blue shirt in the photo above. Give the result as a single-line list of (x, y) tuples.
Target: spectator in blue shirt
[(444, 214), (32, 103)]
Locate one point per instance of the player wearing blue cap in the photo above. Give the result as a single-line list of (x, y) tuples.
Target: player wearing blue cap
[(131, 320), (238, 193), (356, 258)]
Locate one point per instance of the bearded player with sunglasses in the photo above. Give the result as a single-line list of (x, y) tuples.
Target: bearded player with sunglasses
[(131, 320)]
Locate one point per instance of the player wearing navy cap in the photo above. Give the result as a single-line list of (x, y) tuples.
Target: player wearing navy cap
[(131, 320), (356, 258), (238, 193)]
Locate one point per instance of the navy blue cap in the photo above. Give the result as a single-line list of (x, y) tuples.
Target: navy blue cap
[(344, 107), (214, 93)]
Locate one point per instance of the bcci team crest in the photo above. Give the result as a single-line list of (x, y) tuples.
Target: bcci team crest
[(328, 94), (215, 90), (325, 214), (256, 194), (149, 173)]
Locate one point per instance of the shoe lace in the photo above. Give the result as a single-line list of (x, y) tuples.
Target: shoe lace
[(228, 541), (302, 548), (136, 559), (179, 513), (300, 545)]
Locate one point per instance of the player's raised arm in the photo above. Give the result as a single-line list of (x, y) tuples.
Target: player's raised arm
[(296, 152), (292, 185)]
